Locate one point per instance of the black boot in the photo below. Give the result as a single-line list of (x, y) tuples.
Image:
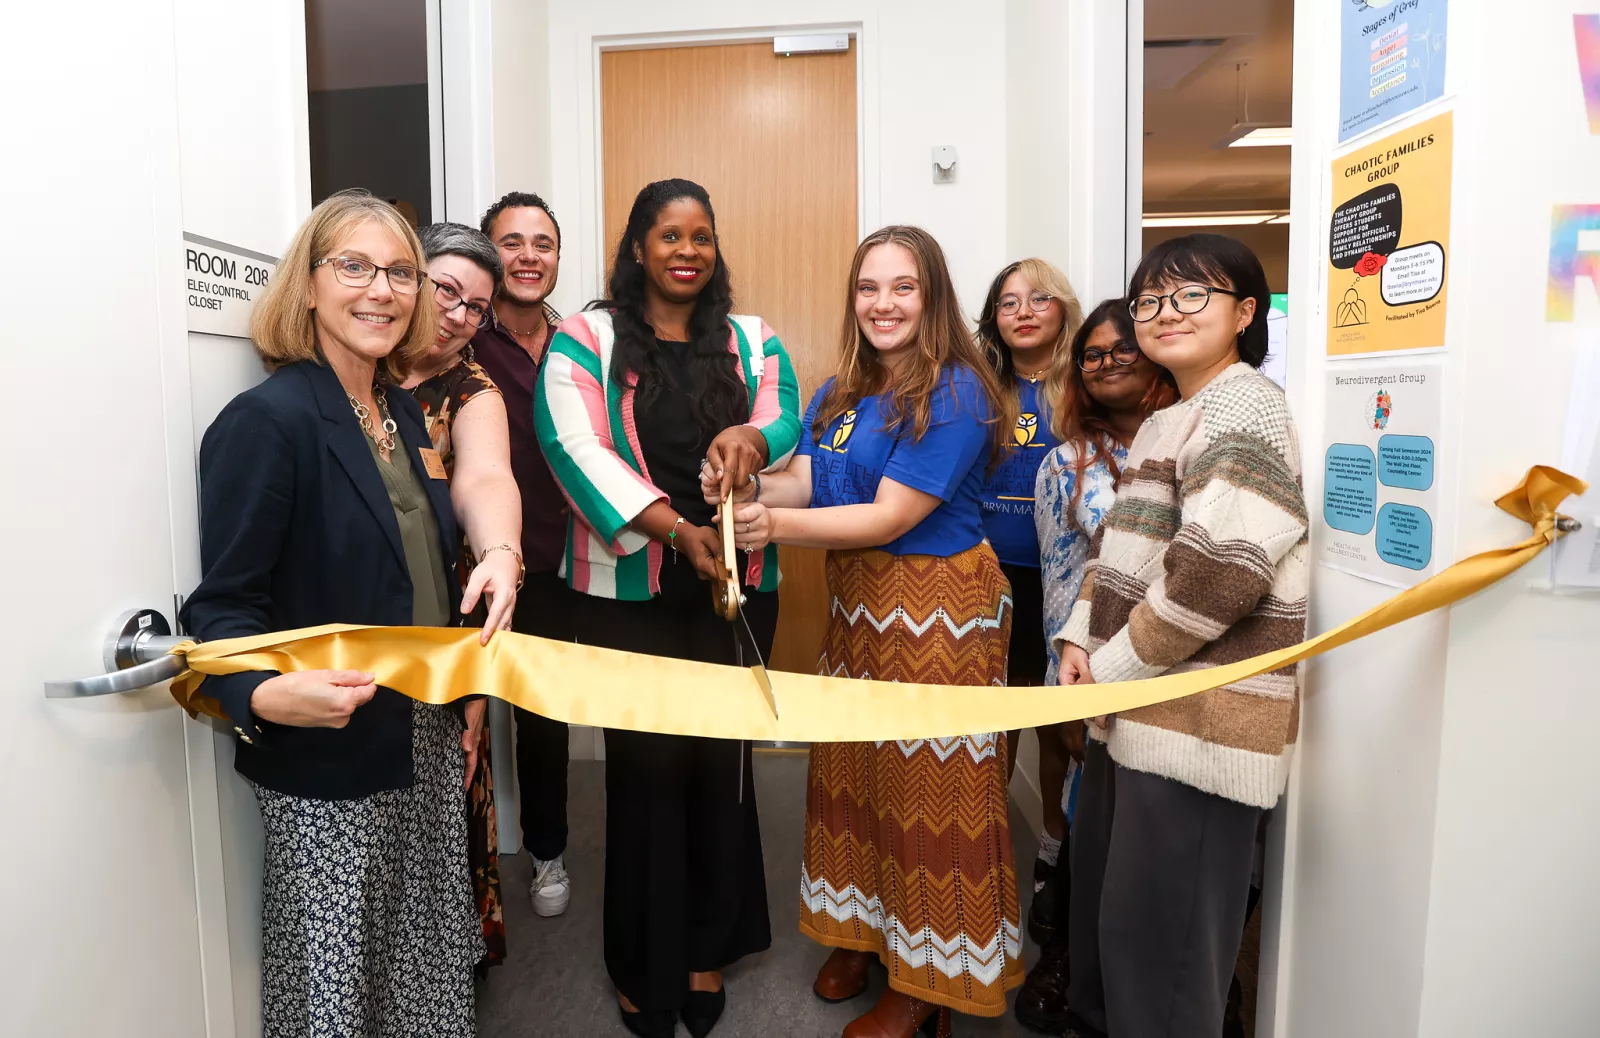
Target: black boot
[(1046, 903), (1042, 1000)]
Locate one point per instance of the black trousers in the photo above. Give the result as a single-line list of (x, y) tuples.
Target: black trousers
[(1028, 660), (545, 609), (685, 884), (1160, 890)]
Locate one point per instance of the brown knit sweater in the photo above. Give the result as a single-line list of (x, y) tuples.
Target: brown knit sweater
[(1203, 561)]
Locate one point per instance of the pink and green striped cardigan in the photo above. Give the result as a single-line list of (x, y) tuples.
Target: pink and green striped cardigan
[(584, 421)]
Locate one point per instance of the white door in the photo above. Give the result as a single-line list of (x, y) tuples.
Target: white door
[(127, 845)]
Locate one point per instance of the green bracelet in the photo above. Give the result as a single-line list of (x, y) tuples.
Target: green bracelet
[(672, 537)]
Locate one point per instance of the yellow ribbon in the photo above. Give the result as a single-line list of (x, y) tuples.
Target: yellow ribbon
[(603, 687)]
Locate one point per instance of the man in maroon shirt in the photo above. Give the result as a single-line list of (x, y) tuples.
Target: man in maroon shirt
[(511, 349)]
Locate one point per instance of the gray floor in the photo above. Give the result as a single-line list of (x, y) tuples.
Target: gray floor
[(553, 982)]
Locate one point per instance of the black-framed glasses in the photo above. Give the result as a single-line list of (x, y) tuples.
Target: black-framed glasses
[(1190, 299), (359, 273), (448, 299), (1121, 354), (1039, 302)]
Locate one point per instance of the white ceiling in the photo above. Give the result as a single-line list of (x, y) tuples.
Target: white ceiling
[(1191, 102), (351, 44)]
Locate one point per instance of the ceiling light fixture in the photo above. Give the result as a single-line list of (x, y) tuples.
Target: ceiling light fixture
[(1249, 133), (1233, 219), (1263, 137)]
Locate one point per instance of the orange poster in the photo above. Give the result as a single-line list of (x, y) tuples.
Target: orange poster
[(1389, 243)]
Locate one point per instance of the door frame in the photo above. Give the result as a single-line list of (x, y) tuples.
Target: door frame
[(200, 735), (863, 33)]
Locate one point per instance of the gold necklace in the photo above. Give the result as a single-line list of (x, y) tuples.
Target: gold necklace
[(1034, 376), (513, 331), (364, 416)]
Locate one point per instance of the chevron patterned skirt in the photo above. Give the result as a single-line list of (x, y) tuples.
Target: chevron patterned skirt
[(908, 844)]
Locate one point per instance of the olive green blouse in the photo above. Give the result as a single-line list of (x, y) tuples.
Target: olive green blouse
[(419, 536)]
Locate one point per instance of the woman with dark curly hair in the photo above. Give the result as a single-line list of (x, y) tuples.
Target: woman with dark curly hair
[(638, 393)]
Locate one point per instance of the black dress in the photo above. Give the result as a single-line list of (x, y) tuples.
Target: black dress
[(685, 887)]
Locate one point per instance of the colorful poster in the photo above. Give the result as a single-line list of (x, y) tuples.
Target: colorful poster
[(1380, 489), (1389, 242), (1391, 60), (1575, 559)]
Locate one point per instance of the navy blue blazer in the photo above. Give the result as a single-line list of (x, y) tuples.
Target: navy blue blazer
[(296, 530)]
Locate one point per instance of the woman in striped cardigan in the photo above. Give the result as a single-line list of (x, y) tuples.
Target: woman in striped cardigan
[(638, 392), (1201, 562)]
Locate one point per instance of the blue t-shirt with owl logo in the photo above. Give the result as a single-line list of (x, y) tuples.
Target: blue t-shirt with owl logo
[(855, 452), (1008, 492)]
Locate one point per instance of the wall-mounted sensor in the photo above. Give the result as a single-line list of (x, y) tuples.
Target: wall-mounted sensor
[(944, 164)]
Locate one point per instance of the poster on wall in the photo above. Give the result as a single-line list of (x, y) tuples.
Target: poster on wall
[(221, 284), (1391, 60), (1380, 489), (1575, 559), (1389, 242), (1276, 366)]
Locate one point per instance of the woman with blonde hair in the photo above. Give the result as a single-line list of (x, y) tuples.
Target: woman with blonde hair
[(1028, 320), (908, 847), (322, 501)]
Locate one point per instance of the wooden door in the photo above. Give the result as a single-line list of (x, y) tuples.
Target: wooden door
[(773, 140)]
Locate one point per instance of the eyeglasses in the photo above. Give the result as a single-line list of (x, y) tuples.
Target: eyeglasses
[(1122, 354), (1038, 303), (448, 299), (1190, 299), (359, 273)]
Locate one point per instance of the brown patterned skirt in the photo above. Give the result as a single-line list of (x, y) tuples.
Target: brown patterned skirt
[(908, 844)]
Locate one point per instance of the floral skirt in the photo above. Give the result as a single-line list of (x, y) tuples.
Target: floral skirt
[(368, 923), (908, 844)]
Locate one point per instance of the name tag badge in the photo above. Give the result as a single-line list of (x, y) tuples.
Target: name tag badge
[(432, 462)]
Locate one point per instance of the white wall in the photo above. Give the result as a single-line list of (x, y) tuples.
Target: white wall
[(1067, 157), (1440, 838), (1513, 938)]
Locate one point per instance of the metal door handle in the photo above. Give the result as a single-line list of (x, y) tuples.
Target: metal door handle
[(136, 656)]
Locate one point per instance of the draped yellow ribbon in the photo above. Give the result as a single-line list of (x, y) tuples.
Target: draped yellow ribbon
[(607, 688)]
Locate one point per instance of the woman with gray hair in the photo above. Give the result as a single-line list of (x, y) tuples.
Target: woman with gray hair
[(466, 420)]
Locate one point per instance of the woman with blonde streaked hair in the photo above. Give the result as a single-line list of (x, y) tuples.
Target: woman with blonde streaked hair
[(1028, 320), (908, 844), (323, 501)]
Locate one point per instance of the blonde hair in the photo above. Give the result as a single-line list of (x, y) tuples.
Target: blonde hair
[(1045, 277), (942, 341), (283, 328)]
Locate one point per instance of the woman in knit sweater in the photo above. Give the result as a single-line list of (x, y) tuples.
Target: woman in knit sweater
[(1202, 561), (636, 392)]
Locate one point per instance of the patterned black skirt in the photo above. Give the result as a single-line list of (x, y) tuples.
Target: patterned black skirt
[(368, 921)]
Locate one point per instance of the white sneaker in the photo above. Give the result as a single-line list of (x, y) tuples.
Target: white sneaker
[(550, 888)]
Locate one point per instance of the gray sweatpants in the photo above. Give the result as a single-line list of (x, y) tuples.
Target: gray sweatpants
[(1160, 887)]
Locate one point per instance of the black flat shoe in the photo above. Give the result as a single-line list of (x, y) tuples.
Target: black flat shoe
[(702, 1011), (658, 1024)]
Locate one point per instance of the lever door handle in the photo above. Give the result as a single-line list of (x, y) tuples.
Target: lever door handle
[(136, 656)]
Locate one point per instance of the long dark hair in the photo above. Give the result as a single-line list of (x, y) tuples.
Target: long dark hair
[(1084, 422), (720, 397)]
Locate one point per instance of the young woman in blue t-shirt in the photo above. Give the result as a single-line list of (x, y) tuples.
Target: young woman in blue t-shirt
[(908, 849), (1029, 317)]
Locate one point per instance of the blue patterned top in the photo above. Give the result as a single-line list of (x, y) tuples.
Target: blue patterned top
[(1063, 546)]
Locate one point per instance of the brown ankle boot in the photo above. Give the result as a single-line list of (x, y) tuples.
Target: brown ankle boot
[(900, 1016), (843, 976)]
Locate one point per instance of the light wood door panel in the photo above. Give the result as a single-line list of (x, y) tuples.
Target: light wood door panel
[(773, 140)]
